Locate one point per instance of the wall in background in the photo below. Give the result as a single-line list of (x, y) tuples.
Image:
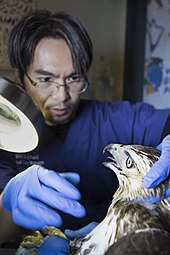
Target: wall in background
[(10, 13), (105, 21), (156, 90)]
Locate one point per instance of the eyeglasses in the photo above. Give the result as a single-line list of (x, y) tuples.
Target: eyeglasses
[(74, 84)]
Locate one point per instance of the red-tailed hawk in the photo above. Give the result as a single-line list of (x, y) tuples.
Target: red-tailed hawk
[(129, 210)]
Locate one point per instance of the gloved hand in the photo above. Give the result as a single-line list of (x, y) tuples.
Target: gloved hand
[(34, 196), (71, 234), (56, 245), (161, 169)]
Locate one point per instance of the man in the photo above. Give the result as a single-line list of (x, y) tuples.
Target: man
[(52, 54)]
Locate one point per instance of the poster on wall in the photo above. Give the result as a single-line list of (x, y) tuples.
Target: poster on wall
[(10, 13), (156, 89)]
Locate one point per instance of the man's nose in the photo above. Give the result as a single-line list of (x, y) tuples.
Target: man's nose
[(61, 93)]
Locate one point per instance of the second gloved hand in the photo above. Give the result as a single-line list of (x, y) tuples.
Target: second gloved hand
[(56, 245), (72, 234), (161, 169), (34, 196)]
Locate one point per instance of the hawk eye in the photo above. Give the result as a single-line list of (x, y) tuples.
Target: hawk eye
[(129, 162)]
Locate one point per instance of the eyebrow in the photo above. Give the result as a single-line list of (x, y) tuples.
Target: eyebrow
[(44, 72), (48, 73)]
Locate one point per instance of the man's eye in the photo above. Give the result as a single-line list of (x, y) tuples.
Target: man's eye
[(45, 79), (74, 78)]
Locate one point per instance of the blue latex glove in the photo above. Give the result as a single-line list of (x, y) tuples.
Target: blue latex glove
[(161, 169), (71, 234), (56, 245), (34, 196)]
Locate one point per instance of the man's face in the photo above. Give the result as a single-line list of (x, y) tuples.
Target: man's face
[(53, 61)]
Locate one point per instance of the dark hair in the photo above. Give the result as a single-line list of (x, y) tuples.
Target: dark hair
[(26, 34)]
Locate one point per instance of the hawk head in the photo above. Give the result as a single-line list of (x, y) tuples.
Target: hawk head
[(130, 164)]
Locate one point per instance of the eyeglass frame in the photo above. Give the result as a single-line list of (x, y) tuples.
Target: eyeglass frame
[(60, 85)]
